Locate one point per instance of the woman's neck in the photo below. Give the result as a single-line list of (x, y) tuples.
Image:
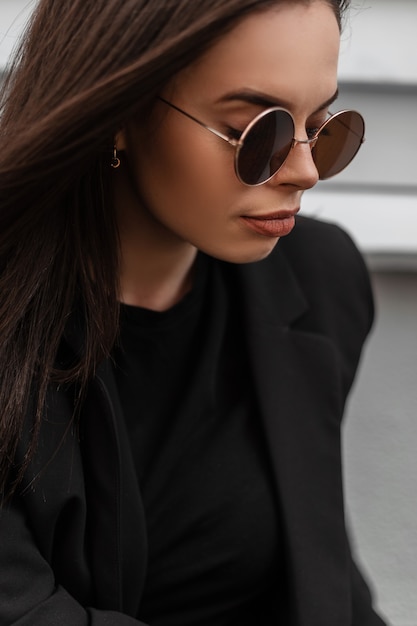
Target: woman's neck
[(155, 281), (156, 267)]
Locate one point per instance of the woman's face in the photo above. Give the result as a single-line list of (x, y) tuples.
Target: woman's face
[(177, 182)]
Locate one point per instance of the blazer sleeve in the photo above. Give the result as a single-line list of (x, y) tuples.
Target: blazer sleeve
[(29, 594)]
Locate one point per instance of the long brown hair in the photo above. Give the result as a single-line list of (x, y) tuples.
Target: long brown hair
[(83, 68)]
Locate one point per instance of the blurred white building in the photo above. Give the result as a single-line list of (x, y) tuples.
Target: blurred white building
[(375, 199)]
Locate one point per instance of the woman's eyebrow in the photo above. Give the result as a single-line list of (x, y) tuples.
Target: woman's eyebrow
[(260, 99)]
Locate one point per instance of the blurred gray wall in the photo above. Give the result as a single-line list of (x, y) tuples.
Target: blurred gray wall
[(380, 443)]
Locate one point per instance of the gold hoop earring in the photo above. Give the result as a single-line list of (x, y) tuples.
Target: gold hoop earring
[(115, 162)]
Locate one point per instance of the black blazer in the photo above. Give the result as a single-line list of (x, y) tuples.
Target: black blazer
[(73, 546)]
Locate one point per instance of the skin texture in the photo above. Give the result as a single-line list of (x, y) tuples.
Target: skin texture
[(176, 190)]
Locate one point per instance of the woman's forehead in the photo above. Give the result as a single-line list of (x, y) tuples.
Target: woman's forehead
[(280, 52)]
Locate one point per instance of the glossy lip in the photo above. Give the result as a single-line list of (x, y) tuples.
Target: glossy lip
[(276, 224)]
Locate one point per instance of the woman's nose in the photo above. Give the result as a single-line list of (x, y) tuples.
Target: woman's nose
[(299, 168)]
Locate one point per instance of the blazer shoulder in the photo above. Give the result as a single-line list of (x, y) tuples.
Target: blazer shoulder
[(324, 255), (322, 241), (336, 283)]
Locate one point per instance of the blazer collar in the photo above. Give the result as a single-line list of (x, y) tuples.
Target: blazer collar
[(296, 377), (118, 542)]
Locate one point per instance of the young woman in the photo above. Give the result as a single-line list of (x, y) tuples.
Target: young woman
[(173, 377)]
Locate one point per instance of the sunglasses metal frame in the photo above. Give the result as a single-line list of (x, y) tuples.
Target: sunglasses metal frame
[(239, 143)]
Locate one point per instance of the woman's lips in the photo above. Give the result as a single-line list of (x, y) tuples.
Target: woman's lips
[(273, 225)]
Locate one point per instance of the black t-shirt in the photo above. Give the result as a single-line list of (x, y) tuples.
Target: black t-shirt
[(212, 522)]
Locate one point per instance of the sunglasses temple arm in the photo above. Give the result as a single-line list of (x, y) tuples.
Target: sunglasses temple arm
[(230, 140)]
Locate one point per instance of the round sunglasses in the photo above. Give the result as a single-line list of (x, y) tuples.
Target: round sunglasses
[(267, 140)]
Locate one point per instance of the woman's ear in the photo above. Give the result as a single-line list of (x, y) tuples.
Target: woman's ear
[(120, 140)]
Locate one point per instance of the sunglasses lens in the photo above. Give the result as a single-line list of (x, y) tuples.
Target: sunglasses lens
[(338, 142), (265, 147)]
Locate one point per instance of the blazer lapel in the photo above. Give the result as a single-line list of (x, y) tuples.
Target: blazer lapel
[(118, 538), (298, 389)]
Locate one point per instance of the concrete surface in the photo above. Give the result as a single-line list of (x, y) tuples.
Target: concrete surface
[(381, 450)]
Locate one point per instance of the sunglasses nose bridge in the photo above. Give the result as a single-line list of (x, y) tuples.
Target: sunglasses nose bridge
[(311, 142)]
